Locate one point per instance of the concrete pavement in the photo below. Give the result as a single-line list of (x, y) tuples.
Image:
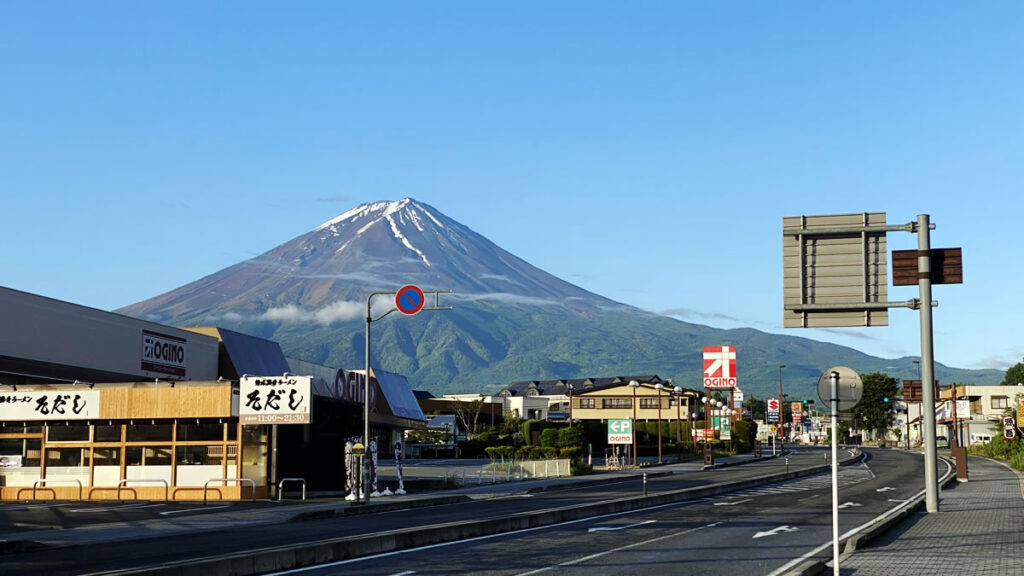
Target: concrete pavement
[(978, 530)]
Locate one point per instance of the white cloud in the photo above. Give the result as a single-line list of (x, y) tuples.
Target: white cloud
[(334, 312), (509, 298)]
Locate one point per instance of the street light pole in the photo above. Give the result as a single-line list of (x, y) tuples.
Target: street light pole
[(634, 385), (659, 387), (678, 390), (570, 405), (693, 421), (782, 414)]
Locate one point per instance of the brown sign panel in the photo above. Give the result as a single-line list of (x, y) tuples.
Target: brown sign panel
[(946, 266), (913, 392)]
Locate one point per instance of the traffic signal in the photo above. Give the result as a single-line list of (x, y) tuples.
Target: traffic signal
[(885, 399)]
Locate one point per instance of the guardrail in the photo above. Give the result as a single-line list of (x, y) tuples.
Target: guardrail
[(281, 484), (249, 480), (167, 487), (44, 481)]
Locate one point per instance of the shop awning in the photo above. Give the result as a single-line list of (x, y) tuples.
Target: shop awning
[(399, 395), (252, 355)]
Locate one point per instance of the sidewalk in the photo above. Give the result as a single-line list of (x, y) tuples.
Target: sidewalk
[(978, 530)]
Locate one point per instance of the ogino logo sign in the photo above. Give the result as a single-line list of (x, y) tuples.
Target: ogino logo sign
[(163, 353)]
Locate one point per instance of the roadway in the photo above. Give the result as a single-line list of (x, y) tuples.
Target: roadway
[(750, 531), (793, 518)]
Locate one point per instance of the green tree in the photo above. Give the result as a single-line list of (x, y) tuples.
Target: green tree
[(549, 438), (876, 409), (756, 407), (1014, 375), (571, 437)]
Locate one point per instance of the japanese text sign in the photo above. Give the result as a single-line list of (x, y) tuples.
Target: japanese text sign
[(50, 405), (275, 400)]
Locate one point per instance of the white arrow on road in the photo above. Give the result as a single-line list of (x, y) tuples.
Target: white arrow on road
[(614, 528), (775, 531), (732, 503), (849, 504), (885, 489)]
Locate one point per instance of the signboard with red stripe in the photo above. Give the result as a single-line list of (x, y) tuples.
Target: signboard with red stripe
[(719, 367)]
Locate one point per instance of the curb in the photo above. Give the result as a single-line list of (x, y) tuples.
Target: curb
[(355, 510)]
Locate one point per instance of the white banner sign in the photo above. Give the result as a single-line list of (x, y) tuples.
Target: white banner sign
[(50, 405), (275, 400)]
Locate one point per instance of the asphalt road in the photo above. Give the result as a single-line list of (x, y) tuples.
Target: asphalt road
[(751, 531), (735, 520)]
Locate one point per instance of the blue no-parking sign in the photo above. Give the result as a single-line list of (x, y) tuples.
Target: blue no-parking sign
[(409, 299)]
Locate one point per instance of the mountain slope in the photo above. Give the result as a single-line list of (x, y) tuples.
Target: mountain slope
[(510, 320)]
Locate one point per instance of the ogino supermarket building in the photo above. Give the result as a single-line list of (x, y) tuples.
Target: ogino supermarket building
[(96, 405)]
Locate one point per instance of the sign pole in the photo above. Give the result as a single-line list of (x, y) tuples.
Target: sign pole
[(924, 267), (409, 300), (834, 378)]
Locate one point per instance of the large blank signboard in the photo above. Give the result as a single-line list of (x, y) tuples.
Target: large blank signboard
[(824, 264)]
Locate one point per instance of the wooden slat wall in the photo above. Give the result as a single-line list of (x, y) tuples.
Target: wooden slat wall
[(178, 402)]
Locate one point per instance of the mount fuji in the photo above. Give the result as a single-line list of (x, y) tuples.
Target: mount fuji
[(510, 320)]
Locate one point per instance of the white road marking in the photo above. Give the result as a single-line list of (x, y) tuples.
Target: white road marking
[(774, 531), (186, 510), (732, 503), (123, 507), (615, 528)]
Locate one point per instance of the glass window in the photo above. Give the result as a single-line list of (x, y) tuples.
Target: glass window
[(586, 402), (158, 432), (204, 431), (649, 403), (25, 448), (67, 457), (999, 402), (148, 455), (10, 428), (616, 403), (70, 433), (106, 456), (200, 455), (107, 433)]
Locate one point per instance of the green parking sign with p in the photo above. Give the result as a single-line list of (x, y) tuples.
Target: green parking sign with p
[(620, 431)]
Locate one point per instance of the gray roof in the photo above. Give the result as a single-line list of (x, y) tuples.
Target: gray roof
[(561, 387)]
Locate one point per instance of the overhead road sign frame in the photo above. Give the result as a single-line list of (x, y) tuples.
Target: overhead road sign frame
[(835, 271), (804, 307)]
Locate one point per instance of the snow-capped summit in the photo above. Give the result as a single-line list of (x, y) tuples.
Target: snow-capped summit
[(374, 246)]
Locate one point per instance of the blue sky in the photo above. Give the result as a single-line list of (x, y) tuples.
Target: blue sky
[(646, 151)]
